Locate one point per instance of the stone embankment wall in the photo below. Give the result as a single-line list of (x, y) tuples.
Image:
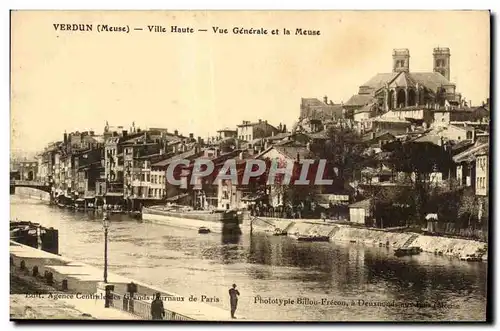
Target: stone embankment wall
[(32, 193), (345, 233)]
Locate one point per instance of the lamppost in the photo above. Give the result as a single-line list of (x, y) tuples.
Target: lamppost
[(105, 224)]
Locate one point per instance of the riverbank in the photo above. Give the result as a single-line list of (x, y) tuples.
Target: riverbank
[(455, 247), (80, 286)]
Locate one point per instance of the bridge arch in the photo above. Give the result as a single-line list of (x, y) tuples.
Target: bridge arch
[(32, 184)]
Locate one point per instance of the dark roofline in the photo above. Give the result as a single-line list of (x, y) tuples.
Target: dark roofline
[(139, 144), (226, 130), (257, 123)]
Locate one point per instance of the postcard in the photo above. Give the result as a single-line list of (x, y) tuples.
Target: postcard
[(250, 166)]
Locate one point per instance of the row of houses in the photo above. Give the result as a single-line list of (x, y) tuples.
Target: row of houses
[(393, 116)]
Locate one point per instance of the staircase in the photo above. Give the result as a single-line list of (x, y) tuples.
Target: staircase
[(288, 227), (410, 241)]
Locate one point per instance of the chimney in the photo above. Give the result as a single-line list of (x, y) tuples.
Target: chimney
[(92, 133), (176, 133), (240, 156), (372, 135), (191, 136), (473, 135), (260, 121), (65, 137), (298, 157), (124, 133), (325, 99), (199, 140)]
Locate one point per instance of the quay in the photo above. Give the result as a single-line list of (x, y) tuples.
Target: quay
[(79, 287), (392, 238)]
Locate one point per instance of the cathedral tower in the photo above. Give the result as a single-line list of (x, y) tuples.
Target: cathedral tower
[(401, 60), (442, 61)]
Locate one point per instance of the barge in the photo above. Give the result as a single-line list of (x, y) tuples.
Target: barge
[(407, 251), (35, 235), (203, 230), (314, 238), (218, 221)]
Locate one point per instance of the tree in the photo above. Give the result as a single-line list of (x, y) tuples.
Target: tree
[(419, 160), (343, 151)]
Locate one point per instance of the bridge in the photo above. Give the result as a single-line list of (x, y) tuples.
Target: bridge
[(42, 186)]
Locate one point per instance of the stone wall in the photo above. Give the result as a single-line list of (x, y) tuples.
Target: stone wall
[(346, 233)]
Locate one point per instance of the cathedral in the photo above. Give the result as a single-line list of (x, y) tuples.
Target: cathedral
[(402, 88)]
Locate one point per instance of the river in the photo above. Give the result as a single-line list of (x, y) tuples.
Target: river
[(319, 277)]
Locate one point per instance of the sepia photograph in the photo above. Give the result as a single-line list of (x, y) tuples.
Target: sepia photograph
[(250, 166)]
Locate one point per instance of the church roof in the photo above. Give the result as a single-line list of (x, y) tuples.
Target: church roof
[(431, 80), (403, 80), (380, 79)]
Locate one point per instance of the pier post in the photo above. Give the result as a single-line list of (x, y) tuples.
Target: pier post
[(106, 226)]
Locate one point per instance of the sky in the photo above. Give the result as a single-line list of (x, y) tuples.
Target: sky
[(201, 82)]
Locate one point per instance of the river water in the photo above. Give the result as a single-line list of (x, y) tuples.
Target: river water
[(326, 281)]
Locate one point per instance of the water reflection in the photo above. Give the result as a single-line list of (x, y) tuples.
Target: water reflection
[(347, 267), (186, 262), (230, 239)]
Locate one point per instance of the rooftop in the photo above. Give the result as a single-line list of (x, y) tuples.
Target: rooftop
[(226, 129), (470, 154), (185, 155)]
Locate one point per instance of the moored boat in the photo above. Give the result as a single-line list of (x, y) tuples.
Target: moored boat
[(279, 232), (471, 258), (203, 230), (221, 221), (407, 251), (312, 238)]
